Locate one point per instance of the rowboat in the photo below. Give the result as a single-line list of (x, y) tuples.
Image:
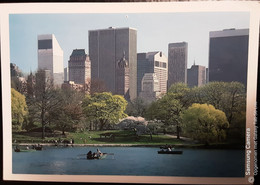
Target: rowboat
[(38, 147), (170, 152), (23, 150), (103, 156)]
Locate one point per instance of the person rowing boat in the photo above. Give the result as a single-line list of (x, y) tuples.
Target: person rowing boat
[(99, 153)]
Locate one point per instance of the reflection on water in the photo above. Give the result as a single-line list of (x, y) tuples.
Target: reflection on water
[(142, 161)]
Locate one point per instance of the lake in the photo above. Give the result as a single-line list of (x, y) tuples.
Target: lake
[(138, 161)]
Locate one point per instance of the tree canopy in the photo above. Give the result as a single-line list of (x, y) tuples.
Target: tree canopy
[(69, 111), (169, 108), (136, 107), (204, 123), (104, 108), (19, 109)]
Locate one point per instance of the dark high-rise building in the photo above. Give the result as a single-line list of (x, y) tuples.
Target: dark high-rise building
[(79, 67), (228, 55), (207, 75), (106, 47), (152, 62), (196, 75), (177, 63)]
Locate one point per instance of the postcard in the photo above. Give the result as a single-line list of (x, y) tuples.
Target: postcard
[(161, 92)]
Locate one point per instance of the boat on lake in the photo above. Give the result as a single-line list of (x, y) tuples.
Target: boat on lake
[(103, 156), (27, 149), (170, 152), (37, 147)]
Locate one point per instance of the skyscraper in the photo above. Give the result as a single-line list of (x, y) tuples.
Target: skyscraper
[(177, 63), (152, 62), (122, 77), (228, 55), (106, 48), (196, 75), (50, 57), (79, 67), (150, 88)]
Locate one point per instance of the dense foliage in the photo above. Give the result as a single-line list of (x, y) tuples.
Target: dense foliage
[(19, 109), (204, 123), (104, 108)]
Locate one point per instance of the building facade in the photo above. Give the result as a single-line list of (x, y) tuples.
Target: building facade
[(150, 88), (79, 67), (228, 55), (106, 47), (50, 57), (122, 77), (196, 76), (152, 62), (177, 63), (66, 74)]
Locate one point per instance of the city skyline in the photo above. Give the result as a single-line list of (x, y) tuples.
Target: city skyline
[(72, 32)]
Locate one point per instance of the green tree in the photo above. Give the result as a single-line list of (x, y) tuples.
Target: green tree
[(46, 99), (167, 110), (229, 97), (181, 92), (136, 108), (205, 123), (104, 108), (68, 113), (19, 109)]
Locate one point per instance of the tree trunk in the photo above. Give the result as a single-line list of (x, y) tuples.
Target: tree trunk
[(43, 131), (102, 124), (43, 124), (178, 131)]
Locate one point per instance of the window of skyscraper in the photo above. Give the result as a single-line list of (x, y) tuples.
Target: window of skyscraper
[(45, 44)]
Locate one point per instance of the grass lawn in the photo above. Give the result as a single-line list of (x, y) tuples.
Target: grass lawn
[(93, 137)]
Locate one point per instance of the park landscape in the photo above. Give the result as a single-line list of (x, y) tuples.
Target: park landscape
[(204, 125), (213, 114)]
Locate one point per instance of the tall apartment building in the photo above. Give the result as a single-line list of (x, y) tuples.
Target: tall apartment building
[(228, 55), (196, 75), (177, 63), (79, 67), (106, 48), (152, 62), (50, 57)]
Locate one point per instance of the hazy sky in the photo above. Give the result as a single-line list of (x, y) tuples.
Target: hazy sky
[(154, 32)]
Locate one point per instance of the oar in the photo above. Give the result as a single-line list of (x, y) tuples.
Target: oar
[(109, 153)]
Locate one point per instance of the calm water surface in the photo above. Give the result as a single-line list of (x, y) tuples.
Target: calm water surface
[(143, 161)]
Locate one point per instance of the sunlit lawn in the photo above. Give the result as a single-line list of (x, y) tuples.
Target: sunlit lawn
[(93, 137)]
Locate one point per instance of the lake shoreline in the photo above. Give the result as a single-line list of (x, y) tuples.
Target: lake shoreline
[(198, 146)]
